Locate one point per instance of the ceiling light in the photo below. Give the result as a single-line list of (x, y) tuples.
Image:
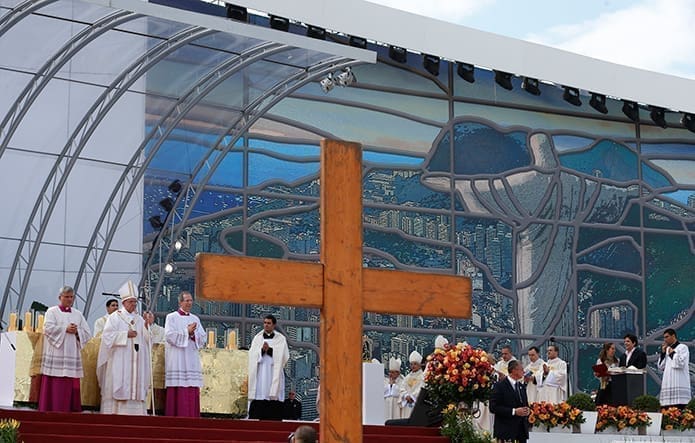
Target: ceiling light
[(631, 110), (688, 120), (598, 102), (346, 78), (316, 32), (571, 96), (431, 64), (658, 116), (531, 85), (504, 79), (169, 268), (466, 71), (398, 54), (237, 13), (167, 203), (156, 222), (279, 23), (358, 42), (327, 83)]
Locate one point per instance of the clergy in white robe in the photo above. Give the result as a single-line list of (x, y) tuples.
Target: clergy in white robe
[(124, 364), (65, 332), (111, 307), (183, 371), (412, 384), (533, 374), (268, 356), (554, 387), (157, 332), (674, 361), (392, 390), (501, 366)]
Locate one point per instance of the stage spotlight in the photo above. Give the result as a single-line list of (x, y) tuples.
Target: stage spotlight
[(398, 54), (688, 120), (466, 71), (327, 83), (658, 116), (156, 222), (345, 78), (530, 85), (571, 96), (504, 79), (169, 268), (237, 13), (279, 23), (316, 32), (167, 203), (178, 245), (175, 186), (358, 42), (598, 102), (631, 110), (431, 64)]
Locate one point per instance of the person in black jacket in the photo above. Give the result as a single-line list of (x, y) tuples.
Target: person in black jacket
[(633, 355), (509, 403)]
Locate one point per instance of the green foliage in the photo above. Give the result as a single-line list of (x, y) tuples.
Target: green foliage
[(646, 403), (691, 405), (582, 401), (459, 427), (9, 430)]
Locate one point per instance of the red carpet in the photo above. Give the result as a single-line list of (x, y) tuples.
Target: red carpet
[(40, 427)]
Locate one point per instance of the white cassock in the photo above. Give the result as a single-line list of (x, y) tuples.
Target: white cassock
[(554, 388), (502, 365), (392, 393), (675, 384), (534, 368), (266, 375), (61, 351), (124, 372), (411, 386), (181, 357), (99, 325)]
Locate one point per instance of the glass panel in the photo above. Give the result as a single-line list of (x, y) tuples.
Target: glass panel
[(264, 168)]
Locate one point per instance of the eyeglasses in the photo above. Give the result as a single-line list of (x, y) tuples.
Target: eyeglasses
[(290, 438)]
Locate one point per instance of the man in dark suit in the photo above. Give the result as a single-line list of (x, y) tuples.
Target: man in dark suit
[(633, 355), (509, 403)]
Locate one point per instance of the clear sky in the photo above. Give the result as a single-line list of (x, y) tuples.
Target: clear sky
[(658, 35)]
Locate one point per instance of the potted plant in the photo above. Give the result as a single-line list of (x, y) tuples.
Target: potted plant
[(560, 417), (678, 422), (650, 405), (9, 430), (621, 419), (585, 403), (460, 428)]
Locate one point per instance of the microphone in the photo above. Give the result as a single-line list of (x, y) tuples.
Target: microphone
[(110, 294)]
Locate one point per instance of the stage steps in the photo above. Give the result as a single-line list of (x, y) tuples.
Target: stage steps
[(41, 427)]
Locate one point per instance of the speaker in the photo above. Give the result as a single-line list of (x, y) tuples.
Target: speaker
[(425, 413)]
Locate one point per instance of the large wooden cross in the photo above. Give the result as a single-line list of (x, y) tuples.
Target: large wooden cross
[(339, 286)]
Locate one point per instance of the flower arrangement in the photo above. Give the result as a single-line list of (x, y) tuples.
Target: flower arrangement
[(621, 417), (460, 428), (9, 430), (675, 418), (458, 373), (555, 415)]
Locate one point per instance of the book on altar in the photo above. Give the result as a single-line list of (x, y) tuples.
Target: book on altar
[(600, 369)]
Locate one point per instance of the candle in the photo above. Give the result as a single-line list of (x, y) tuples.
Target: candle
[(39, 325), (231, 339), (27, 321), (211, 339), (13, 322)]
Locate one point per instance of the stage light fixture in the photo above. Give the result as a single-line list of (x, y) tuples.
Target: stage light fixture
[(358, 42), (327, 83), (531, 85), (504, 79), (631, 110), (346, 78), (466, 71), (156, 222), (279, 23), (398, 54), (237, 13), (316, 32), (688, 120), (169, 268), (178, 245), (431, 64), (571, 96), (658, 116), (167, 203), (175, 186), (598, 102)]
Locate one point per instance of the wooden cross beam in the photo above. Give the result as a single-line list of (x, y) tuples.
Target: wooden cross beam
[(339, 286)]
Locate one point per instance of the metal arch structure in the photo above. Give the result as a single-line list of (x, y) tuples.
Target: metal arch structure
[(113, 210), (19, 12)]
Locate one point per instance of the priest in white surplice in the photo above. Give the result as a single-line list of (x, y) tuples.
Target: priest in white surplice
[(267, 359), (674, 361), (412, 384), (533, 374), (392, 390), (124, 362), (501, 365), (554, 388), (184, 373)]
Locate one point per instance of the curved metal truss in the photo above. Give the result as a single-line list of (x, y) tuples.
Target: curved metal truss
[(20, 11)]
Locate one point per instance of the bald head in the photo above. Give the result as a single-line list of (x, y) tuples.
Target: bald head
[(305, 434)]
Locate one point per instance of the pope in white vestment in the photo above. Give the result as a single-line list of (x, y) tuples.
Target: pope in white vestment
[(392, 390), (674, 362), (554, 388), (268, 356), (412, 384), (124, 363)]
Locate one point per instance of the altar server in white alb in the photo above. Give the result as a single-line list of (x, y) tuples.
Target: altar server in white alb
[(392, 390), (267, 359), (674, 362), (554, 388), (184, 374), (124, 362), (412, 384), (533, 374), (65, 332)]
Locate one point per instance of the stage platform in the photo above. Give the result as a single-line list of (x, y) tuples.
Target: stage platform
[(546, 437)]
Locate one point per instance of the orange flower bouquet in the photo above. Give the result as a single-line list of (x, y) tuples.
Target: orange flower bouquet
[(555, 415), (621, 417), (677, 419)]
